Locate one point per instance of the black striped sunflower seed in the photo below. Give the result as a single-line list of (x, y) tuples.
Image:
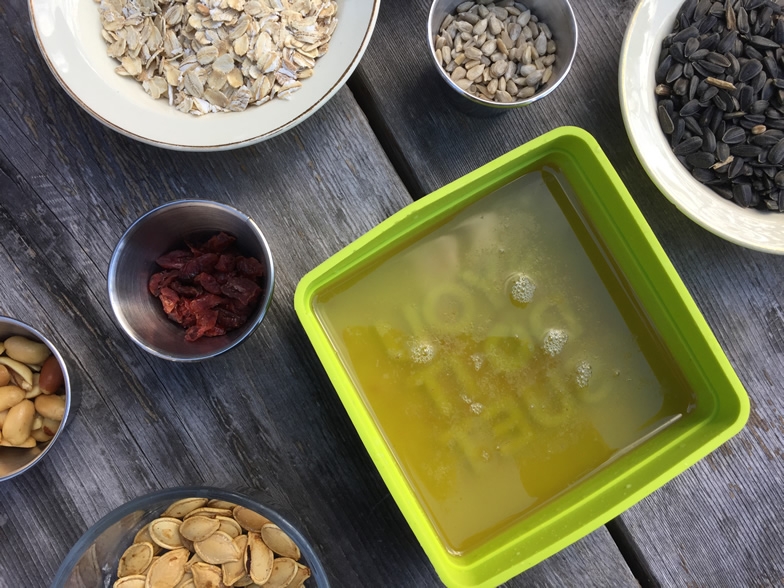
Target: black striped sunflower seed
[(690, 145), (720, 92)]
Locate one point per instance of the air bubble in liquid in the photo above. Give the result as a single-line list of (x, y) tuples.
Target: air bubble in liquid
[(477, 408), (421, 352), (584, 372), (554, 341), (523, 289)]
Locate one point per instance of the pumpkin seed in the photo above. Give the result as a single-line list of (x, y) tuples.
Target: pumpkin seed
[(181, 508), (260, 558), (249, 520), (283, 571), (221, 504), (165, 532), (234, 571), (229, 526), (206, 575), (168, 569), (303, 573), (186, 581), (143, 536), (198, 528), (218, 548), (208, 511), (130, 582), (135, 560), (277, 540)]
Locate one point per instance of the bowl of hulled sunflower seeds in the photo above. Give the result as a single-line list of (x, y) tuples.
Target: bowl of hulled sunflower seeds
[(501, 55), (702, 95)]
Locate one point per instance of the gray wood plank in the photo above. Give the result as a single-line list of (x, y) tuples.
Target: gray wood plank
[(717, 524), (263, 415)]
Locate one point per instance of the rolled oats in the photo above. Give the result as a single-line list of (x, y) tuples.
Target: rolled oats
[(217, 55)]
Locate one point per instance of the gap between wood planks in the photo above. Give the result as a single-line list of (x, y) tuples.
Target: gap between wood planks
[(359, 88), (362, 94), (631, 554)]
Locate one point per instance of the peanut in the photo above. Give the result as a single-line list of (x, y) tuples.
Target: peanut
[(51, 378), (19, 368), (50, 407), (25, 350), (41, 435), (5, 376), (26, 444), (10, 396), (50, 426), (19, 423)]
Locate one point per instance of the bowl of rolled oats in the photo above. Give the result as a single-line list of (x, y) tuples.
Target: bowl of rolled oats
[(193, 536), (502, 54), (202, 75)]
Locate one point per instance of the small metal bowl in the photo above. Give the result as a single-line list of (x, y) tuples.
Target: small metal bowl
[(558, 16), (162, 229), (14, 461)]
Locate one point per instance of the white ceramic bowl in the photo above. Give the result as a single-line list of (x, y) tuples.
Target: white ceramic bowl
[(69, 35), (756, 229)]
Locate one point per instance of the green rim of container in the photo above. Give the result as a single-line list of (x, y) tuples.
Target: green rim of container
[(722, 406)]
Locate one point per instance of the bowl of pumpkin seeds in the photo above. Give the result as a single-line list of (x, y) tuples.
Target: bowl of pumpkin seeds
[(502, 54), (192, 536), (701, 87)]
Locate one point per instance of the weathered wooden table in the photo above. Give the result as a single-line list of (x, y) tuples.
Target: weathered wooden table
[(265, 414)]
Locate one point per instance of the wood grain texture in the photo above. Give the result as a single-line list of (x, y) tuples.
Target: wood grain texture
[(717, 524), (264, 415)]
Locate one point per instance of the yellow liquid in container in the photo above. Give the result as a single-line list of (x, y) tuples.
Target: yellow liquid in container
[(502, 357)]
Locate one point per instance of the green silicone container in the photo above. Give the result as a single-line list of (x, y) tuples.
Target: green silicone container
[(722, 405)]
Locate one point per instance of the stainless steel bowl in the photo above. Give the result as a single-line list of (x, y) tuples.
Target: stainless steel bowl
[(14, 461), (558, 16), (133, 262)]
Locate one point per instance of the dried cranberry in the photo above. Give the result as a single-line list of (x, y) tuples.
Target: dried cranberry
[(219, 243), (250, 267), (210, 289), (241, 289), (174, 259)]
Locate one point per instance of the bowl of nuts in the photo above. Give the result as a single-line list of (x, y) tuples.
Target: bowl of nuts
[(192, 537), (191, 279), (700, 92), (204, 75), (35, 396), (502, 54)]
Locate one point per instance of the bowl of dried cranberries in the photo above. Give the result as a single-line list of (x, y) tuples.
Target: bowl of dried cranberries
[(191, 279)]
